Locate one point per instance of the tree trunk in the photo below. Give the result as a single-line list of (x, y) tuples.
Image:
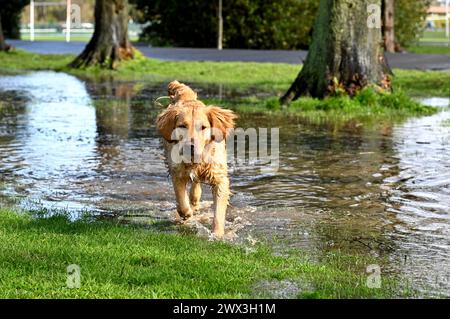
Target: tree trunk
[(346, 53), (109, 43), (388, 25), (3, 45)]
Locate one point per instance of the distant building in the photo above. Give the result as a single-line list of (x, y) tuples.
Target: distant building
[(436, 15)]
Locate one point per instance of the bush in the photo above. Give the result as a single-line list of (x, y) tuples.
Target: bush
[(260, 24), (178, 23), (409, 20), (251, 24)]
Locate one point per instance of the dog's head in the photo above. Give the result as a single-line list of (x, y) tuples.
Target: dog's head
[(191, 124)]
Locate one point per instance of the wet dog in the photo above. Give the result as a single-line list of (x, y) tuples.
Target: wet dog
[(194, 137)]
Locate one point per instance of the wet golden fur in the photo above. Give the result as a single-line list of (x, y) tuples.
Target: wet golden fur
[(188, 124)]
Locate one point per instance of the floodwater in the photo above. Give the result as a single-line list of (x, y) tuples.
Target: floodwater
[(92, 147)]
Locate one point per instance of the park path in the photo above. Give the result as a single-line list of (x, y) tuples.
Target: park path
[(409, 61)]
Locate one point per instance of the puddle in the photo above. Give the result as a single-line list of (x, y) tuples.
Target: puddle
[(80, 146)]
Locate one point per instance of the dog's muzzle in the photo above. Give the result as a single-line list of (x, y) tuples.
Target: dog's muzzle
[(189, 153)]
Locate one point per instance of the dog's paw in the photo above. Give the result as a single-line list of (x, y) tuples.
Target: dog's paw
[(218, 233), (195, 206), (185, 214)]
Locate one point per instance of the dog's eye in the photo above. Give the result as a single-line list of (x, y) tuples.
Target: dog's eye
[(204, 127), (181, 126)]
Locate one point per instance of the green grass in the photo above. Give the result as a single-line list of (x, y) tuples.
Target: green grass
[(422, 83), (119, 261), (428, 49), (437, 36), (57, 37), (62, 37)]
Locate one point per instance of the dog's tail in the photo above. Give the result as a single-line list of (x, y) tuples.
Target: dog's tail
[(180, 92)]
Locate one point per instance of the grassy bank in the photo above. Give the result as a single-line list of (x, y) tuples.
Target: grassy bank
[(127, 262), (74, 37), (434, 36), (255, 87), (367, 107), (429, 49), (267, 77), (264, 76)]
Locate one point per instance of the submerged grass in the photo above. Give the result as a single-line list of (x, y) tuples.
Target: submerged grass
[(367, 107), (119, 261)]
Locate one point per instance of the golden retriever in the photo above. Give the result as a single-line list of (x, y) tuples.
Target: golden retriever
[(194, 137)]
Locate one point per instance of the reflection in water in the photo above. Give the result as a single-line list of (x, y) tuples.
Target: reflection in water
[(92, 146), (53, 141)]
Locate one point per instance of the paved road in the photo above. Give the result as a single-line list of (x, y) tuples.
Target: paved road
[(397, 60)]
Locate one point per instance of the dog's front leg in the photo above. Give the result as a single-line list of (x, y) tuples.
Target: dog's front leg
[(195, 195), (221, 192), (183, 206)]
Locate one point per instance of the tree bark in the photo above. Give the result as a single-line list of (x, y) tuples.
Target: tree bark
[(388, 25), (109, 43), (3, 45), (346, 53)]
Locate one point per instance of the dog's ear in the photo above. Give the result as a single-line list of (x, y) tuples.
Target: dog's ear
[(221, 121), (180, 92), (165, 123), (172, 89)]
